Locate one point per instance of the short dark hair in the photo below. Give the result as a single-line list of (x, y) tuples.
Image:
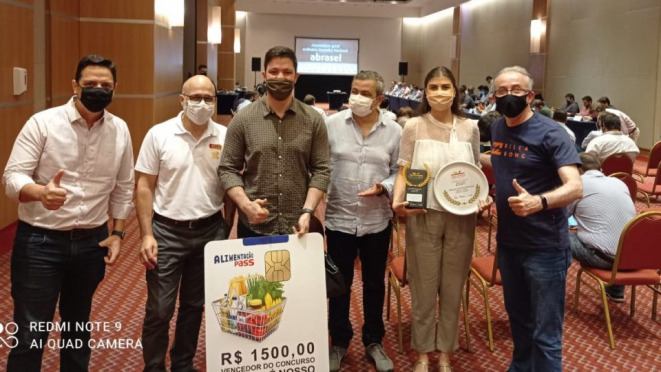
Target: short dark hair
[(484, 125), (309, 99), (249, 94), (95, 60), (590, 161), (439, 71), (570, 96), (201, 66), (261, 89), (538, 103), (539, 96), (587, 98), (405, 111), (560, 115), (610, 121), (489, 77), (604, 100), (280, 52), (385, 103)]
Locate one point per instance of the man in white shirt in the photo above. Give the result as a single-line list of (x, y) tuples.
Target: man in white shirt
[(560, 117), (249, 98), (629, 128), (613, 141), (71, 167), (310, 101), (364, 148), (179, 202)]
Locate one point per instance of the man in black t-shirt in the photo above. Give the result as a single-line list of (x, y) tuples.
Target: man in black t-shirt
[(536, 174)]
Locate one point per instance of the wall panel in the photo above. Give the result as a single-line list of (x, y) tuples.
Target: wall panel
[(130, 46), (118, 9)]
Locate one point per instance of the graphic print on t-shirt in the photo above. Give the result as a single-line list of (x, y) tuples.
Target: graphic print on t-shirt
[(509, 150)]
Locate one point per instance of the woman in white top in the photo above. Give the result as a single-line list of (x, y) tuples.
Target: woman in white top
[(439, 244)]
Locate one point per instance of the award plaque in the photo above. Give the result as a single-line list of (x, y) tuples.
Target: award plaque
[(416, 186), (459, 186)]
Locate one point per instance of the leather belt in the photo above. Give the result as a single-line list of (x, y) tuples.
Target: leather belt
[(73, 234), (190, 224)]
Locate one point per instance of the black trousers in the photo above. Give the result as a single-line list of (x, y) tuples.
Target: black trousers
[(373, 252), (180, 270), (47, 265)]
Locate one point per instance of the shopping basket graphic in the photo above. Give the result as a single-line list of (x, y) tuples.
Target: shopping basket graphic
[(236, 316)]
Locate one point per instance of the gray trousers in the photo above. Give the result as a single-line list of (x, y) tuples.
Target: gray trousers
[(180, 270)]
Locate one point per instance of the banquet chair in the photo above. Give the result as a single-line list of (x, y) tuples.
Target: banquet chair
[(637, 262), (631, 185), (486, 275), (650, 168), (620, 162), (654, 188)]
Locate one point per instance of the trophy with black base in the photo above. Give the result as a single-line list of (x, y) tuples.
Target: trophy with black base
[(416, 186)]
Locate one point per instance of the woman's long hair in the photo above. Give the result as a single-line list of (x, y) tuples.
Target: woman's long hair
[(438, 72)]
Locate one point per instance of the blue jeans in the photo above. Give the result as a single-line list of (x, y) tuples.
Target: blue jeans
[(590, 257), (534, 289), (47, 266)]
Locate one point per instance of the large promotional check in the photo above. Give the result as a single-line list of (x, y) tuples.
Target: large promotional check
[(266, 304)]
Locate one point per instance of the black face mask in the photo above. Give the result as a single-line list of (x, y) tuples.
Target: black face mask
[(280, 89), (510, 105), (96, 99)]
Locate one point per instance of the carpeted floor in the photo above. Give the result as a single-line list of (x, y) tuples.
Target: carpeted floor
[(120, 300)]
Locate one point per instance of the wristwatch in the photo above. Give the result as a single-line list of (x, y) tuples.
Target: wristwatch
[(307, 210), (545, 204), (121, 234)]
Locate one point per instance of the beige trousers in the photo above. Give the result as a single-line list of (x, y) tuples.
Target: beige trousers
[(439, 247), (635, 134)]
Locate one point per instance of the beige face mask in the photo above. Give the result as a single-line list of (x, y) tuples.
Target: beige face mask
[(440, 101)]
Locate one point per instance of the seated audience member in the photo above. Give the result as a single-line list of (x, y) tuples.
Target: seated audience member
[(483, 91), (310, 101), (560, 117), (539, 96), (249, 98), (629, 128), (491, 106), (539, 106), (592, 135), (588, 111), (418, 94), (471, 92), (570, 107), (479, 109), (404, 114), (601, 214), (465, 101), (385, 110), (484, 125), (613, 141)]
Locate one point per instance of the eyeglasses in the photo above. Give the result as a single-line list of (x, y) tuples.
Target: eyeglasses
[(198, 99), (517, 91)]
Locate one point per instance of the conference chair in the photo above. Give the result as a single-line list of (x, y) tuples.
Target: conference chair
[(631, 184), (650, 168), (620, 162), (397, 278), (486, 275), (654, 188), (637, 262), (397, 281)]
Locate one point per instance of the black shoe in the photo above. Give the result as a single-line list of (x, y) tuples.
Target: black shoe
[(617, 298)]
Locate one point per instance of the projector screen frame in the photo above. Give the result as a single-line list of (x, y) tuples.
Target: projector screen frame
[(328, 38)]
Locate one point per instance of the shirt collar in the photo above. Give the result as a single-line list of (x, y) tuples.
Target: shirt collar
[(348, 117), (74, 116), (266, 109), (593, 173), (617, 133), (211, 128)]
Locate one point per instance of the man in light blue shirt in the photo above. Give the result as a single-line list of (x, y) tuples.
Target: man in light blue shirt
[(601, 214), (364, 147)]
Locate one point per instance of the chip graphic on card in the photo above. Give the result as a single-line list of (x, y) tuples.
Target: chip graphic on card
[(278, 266)]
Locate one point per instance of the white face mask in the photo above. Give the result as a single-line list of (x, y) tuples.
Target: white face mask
[(198, 113), (360, 105)]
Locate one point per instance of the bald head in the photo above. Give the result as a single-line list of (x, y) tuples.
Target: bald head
[(198, 85)]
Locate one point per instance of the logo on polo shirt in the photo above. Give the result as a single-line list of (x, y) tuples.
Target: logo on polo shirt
[(217, 148)]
